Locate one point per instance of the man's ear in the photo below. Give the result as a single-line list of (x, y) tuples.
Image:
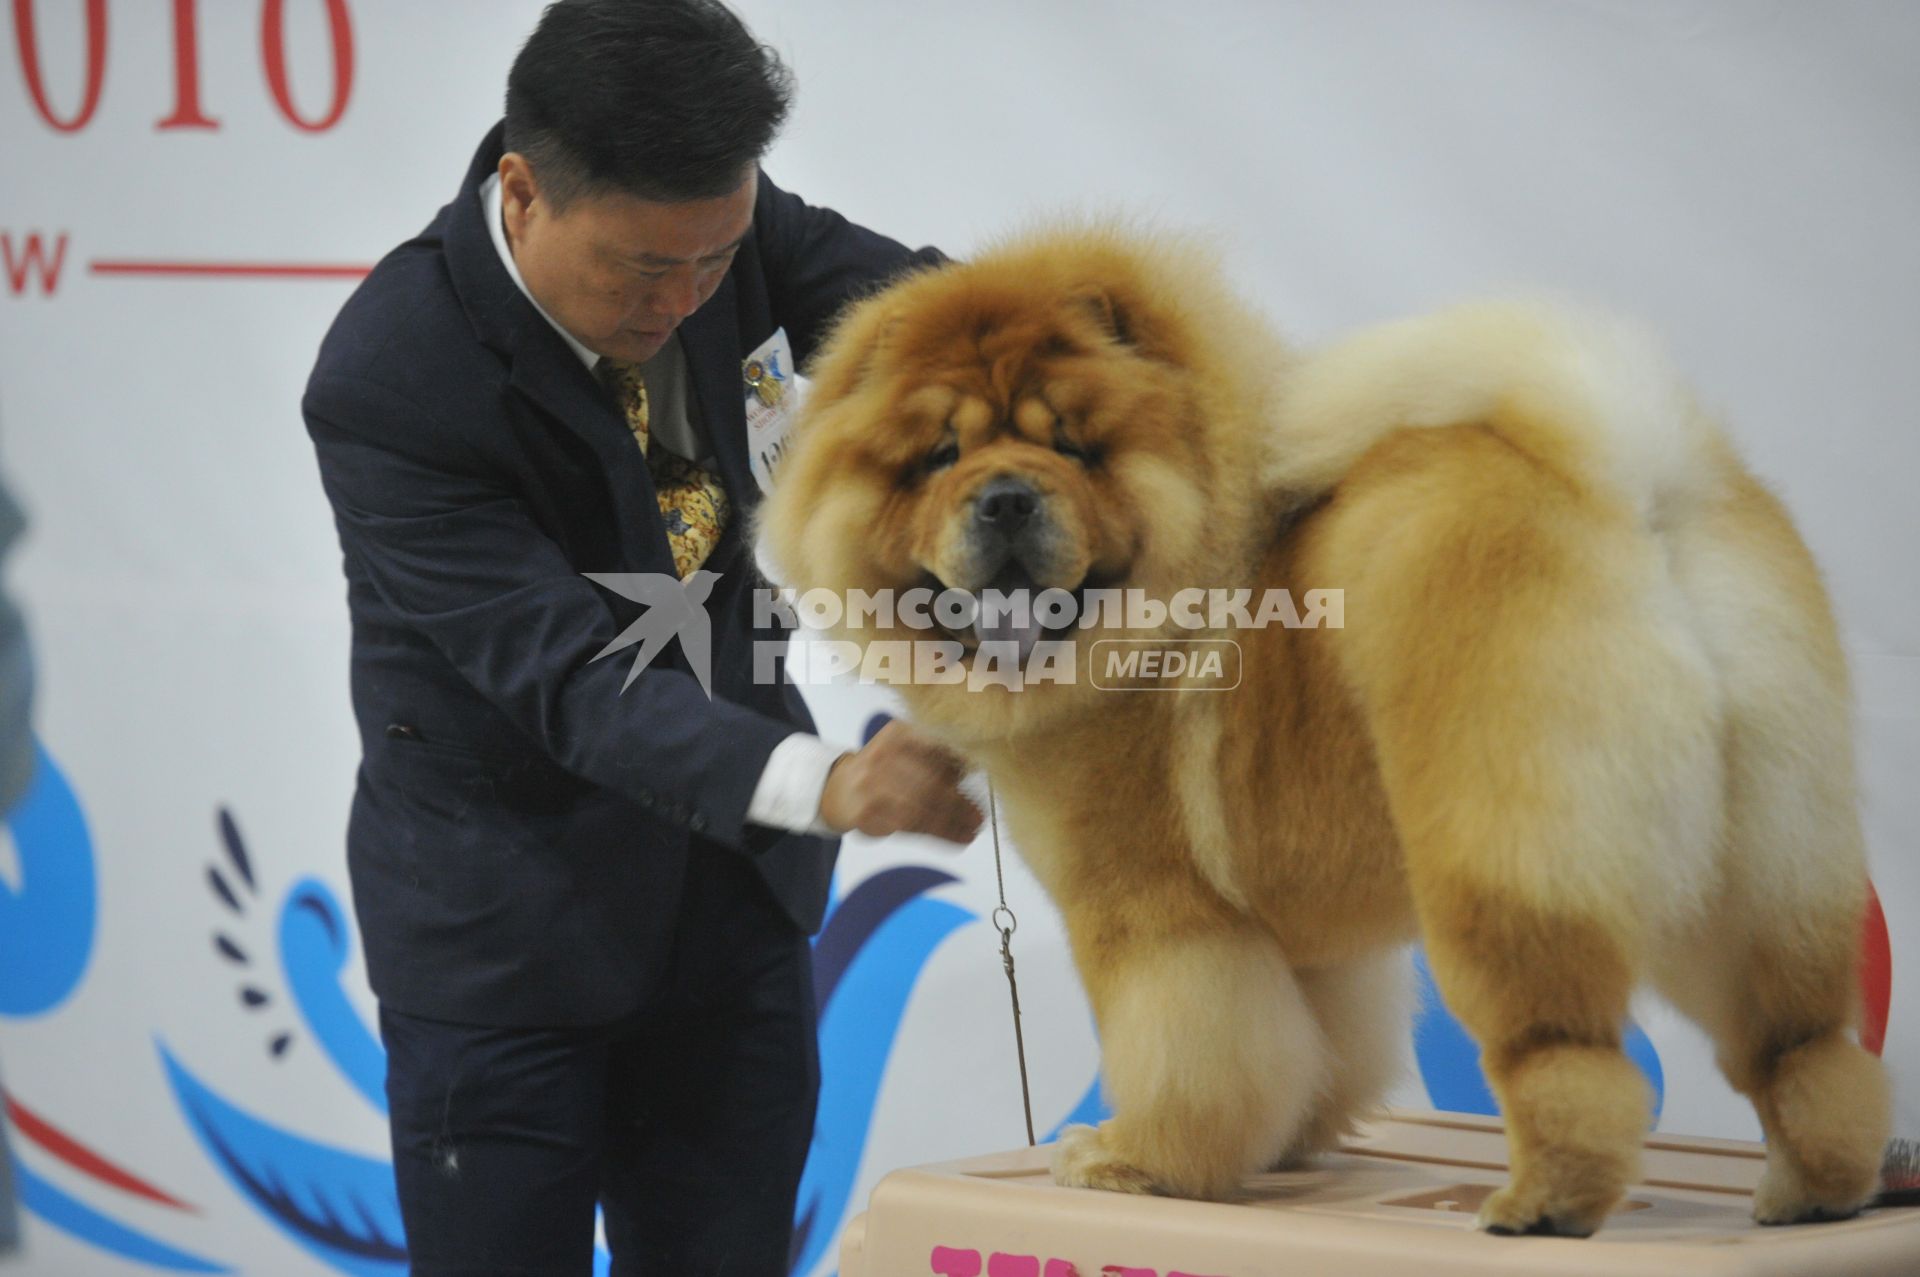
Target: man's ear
[(519, 192)]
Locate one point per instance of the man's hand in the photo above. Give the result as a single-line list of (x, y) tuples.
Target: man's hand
[(900, 782)]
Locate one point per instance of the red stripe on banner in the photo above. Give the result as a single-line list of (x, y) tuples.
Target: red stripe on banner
[(84, 1159), (232, 270), (1876, 975)]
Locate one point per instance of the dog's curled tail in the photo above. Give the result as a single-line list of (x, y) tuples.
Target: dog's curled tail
[(1587, 393)]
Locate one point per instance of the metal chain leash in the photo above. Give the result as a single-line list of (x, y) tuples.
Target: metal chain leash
[(1006, 924)]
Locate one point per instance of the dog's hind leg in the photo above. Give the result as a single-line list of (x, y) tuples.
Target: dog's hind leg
[(1547, 729), (1210, 1056), (1773, 976), (1778, 999), (1546, 997)]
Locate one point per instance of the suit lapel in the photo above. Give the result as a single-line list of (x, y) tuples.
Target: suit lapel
[(551, 376)]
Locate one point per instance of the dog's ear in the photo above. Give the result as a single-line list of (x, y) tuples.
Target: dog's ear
[(853, 349), (1126, 319)]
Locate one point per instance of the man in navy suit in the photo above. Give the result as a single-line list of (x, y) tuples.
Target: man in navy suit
[(585, 903)]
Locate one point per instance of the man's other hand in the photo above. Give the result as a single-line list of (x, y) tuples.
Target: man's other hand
[(901, 781)]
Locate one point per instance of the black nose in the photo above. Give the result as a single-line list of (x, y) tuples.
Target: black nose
[(1006, 504)]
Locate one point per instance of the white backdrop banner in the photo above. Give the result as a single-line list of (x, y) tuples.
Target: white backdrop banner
[(191, 189)]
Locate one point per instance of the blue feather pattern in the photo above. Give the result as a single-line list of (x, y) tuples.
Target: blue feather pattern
[(341, 1206), (314, 948)]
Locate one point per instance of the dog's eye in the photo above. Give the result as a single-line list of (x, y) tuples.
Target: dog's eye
[(1068, 448), (942, 457)]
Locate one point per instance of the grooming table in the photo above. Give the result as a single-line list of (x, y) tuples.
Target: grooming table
[(1398, 1199)]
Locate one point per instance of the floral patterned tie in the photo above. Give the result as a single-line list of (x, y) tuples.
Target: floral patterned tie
[(693, 505)]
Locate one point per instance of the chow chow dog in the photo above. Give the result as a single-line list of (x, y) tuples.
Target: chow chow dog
[(1584, 724)]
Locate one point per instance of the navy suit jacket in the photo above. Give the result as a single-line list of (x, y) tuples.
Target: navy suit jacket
[(520, 825)]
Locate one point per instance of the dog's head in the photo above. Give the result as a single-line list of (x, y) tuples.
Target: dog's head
[(1070, 415)]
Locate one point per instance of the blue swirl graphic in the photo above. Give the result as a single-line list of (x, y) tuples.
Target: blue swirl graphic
[(47, 928), (71, 1215), (340, 1206), (47, 925), (1450, 1059), (314, 947)]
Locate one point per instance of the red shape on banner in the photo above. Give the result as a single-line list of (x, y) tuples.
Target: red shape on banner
[(186, 70), (29, 46), (32, 261), (244, 270), (273, 51), (1876, 975), (84, 1159)]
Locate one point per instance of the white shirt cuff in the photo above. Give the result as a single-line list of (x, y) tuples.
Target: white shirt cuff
[(788, 795)]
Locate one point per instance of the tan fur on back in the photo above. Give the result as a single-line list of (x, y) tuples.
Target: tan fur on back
[(1585, 726)]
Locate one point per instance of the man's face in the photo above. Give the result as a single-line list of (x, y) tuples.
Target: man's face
[(616, 271)]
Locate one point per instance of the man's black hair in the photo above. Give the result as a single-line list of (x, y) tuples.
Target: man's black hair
[(669, 100)]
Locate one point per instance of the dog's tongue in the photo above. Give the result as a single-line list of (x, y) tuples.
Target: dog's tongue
[(1015, 623), (1004, 630)]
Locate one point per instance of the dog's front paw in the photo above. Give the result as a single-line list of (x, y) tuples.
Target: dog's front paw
[(1514, 1211), (1081, 1159)]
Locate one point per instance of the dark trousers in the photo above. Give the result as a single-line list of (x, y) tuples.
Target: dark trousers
[(688, 1122)]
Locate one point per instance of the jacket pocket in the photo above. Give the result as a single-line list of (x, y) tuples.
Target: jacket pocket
[(471, 777)]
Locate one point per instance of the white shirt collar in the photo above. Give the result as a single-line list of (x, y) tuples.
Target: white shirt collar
[(490, 203)]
